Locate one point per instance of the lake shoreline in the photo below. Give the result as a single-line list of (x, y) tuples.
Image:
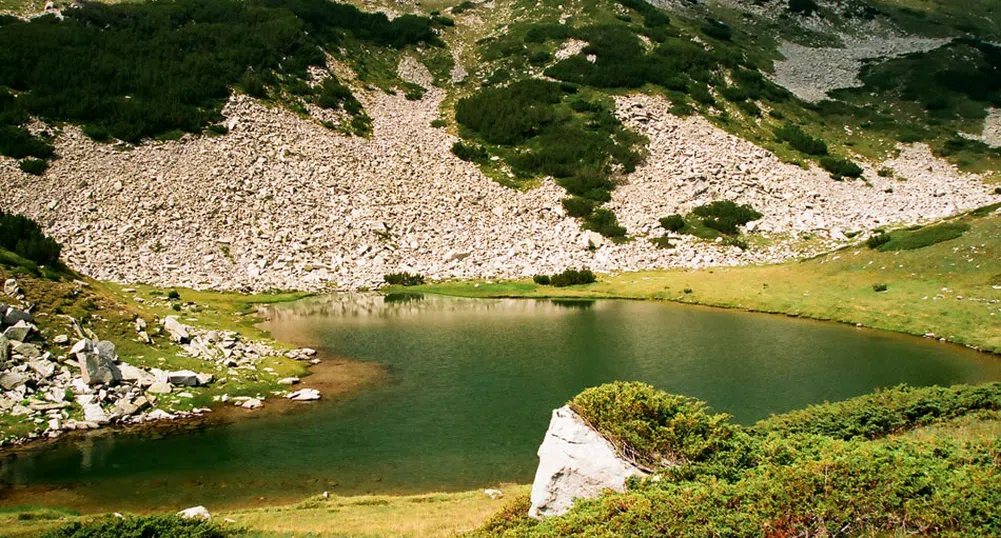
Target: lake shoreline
[(433, 289)]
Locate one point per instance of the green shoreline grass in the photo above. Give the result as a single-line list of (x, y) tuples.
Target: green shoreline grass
[(944, 289)]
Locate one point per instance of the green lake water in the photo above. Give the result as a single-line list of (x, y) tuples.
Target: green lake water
[(471, 384)]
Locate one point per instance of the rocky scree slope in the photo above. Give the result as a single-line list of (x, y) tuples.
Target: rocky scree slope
[(283, 202)]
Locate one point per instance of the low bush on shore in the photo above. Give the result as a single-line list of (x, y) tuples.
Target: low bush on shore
[(404, 279), (569, 277)]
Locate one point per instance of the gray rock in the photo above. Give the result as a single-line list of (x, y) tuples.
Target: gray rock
[(106, 350), (84, 345), (183, 378), (4, 348), (43, 367), (575, 462), (12, 380), (95, 369), (61, 340), (19, 331), (252, 403), (14, 315), (177, 330), (30, 351), (10, 287), (92, 412), (159, 387), (204, 379)]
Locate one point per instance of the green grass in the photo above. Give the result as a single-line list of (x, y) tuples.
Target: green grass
[(945, 288)]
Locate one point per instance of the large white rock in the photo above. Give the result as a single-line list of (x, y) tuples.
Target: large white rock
[(177, 330), (195, 512), (575, 462)]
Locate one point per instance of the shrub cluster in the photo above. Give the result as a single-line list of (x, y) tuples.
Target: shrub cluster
[(920, 237), (725, 216), (799, 140), (885, 412), (655, 428), (33, 166), (840, 168), (803, 7), (470, 152), (673, 223), (557, 133), (25, 237), (159, 526), (569, 277), (404, 279), (141, 69)]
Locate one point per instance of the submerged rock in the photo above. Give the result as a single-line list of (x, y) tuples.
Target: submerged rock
[(575, 462)]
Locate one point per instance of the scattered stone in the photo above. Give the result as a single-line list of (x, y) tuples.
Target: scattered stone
[(252, 403), (304, 395), (196, 512), (494, 493), (20, 331), (29, 351), (12, 380), (183, 378), (61, 340), (10, 287), (159, 387), (288, 381)]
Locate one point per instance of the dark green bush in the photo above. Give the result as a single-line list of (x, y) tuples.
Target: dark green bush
[(803, 7), (34, 167), (438, 123), (19, 143), (96, 133), (877, 240), (542, 280), (840, 168), (218, 129), (997, 190), (157, 526), (404, 279), (725, 216), (800, 141), (922, 237), (173, 295), (673, 223), (879, 287), (605, 222), (470, 152), (572, 277), (24, 237), (656, 428), (334, 95), (578, 207), (885, 412), (463, 7), (717, 29)]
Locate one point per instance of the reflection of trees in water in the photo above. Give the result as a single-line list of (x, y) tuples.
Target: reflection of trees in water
[(403, 297), (579, 304), (352, 305)]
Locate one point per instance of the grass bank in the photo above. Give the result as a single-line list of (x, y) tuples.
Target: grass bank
[(951, 289), (370, 516)]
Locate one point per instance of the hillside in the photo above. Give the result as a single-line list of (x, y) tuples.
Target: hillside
[(341, 166)]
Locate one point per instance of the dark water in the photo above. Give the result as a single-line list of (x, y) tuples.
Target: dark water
[(471, 385)]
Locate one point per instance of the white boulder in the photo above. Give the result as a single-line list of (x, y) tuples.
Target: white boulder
[(575, 462), (195, 512)]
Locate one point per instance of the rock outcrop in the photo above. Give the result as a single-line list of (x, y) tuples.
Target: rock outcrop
[(575, 462)]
